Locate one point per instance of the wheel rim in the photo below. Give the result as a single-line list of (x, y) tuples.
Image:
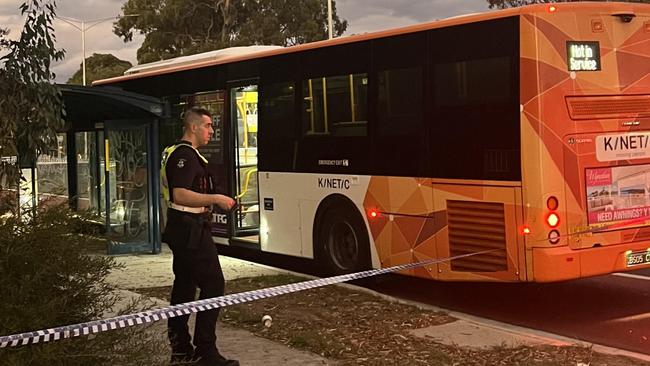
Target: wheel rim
[(343, 245)]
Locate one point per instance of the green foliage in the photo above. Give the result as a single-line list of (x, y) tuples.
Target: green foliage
[(40, 259), (183, 27), (503, 4), (100, 66), (49, 279), (280, 22), (31, 109)]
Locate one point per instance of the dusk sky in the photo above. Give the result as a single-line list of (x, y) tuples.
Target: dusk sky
[(362, 16)]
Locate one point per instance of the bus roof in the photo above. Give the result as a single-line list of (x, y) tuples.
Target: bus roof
[(236, 54), (204, 56)]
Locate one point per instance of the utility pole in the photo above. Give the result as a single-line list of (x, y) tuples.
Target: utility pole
[(329, 18)]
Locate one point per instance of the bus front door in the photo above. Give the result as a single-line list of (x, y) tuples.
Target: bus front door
[(243, 113)]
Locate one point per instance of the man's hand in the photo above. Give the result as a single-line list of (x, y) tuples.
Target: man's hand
[(224, 202)]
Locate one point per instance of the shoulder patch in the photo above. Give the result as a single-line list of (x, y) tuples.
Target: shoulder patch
[(181, 163)]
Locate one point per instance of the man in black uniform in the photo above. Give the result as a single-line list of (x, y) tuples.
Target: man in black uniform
[(188, 188)]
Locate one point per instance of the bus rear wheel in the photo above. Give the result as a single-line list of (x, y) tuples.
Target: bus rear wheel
[(343, 241)]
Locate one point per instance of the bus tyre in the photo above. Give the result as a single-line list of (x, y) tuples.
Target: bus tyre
[(342, 241)]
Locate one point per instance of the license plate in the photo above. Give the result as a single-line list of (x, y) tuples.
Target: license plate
[(638, 258)]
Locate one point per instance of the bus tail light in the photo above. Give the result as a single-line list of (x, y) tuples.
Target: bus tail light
[(524, 230), (553, 219)]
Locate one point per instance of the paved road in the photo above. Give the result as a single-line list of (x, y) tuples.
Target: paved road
[(611, 310)]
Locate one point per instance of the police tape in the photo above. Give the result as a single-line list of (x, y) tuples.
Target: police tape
[(150, 316)]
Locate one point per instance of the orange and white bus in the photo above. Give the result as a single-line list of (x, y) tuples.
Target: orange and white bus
[(523, 132)]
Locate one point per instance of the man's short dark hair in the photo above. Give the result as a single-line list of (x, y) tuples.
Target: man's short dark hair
[(194, 115)]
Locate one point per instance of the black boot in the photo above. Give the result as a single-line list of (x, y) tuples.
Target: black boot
[(183, 358), (215, 360)]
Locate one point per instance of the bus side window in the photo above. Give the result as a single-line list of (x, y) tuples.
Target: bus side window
[(336, 105), (400, 135), (475, 101), (399, 102), (277, 127), (277, 108)]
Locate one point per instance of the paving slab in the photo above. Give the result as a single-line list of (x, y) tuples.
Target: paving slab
[(153, 270)]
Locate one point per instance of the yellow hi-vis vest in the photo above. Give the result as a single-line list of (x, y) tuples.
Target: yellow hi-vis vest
[(163, 165)]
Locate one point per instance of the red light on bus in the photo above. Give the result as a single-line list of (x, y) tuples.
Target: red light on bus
[(552, 9), (553, 219), (372, 213), (525, 230), (552, 203)]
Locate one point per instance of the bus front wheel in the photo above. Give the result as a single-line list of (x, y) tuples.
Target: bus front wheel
[(343, 241)]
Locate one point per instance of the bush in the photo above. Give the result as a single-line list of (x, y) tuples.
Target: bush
[(50, 279)]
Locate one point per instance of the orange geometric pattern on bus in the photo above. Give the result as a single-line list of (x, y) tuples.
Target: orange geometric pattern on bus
[(407, 237), (411, 228), (545, 84)]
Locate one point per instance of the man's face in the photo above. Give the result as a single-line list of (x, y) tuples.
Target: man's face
[(204, 131)]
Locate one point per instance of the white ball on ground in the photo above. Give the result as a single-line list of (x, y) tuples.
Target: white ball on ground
[(267, 321)]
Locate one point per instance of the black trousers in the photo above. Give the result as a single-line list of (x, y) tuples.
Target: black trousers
[(196, 265)]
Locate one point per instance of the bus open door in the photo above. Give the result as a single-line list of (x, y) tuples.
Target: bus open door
[(245, 218)]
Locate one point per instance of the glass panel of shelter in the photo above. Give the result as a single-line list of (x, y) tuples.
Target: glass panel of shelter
[(128, 214), (91, 190)]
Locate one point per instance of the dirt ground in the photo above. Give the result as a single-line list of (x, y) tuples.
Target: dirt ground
[(356, 328)]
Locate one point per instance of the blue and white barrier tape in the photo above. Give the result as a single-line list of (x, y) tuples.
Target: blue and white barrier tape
[(150, 316)]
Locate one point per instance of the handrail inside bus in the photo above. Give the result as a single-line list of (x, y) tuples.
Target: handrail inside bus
[(246, 181)]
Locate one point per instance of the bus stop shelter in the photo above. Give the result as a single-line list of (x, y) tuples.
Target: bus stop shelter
[(111, 162)]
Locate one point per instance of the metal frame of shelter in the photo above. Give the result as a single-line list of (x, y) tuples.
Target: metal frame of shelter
[(123, 170)]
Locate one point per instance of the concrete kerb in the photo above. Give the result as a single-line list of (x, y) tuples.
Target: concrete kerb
[(535, 336)]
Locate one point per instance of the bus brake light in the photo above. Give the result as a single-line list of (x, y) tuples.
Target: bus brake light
[(373, 214), (525, 230), (553, 219)]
